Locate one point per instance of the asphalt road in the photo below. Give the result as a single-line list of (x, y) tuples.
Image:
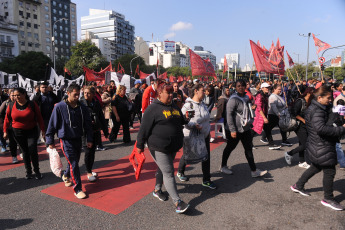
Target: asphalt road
[(239, 202)]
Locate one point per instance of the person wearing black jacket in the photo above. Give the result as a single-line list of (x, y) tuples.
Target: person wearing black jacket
[(161, 128), (98, 124), (320, 147)]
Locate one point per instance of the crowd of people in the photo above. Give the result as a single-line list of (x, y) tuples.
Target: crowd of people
[(174, 116)]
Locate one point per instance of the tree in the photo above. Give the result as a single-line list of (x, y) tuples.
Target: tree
[(31, 64), (87, 54)]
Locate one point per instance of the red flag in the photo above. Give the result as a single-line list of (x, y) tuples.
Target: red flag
[(163, 75), (120, 70), (91, 75), (320, 44), (67, 71), (225, 67), (258, 44), (291, 63), (179, 79), (143, 75), (137, 70), (199, 66)]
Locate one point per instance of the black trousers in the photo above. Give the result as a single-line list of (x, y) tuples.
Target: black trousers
[(273, 121), (12, 142), (302, 135), (124, 121), (328, 178), (27, 141), (247, 141), (205, 165), (133, 113), (89, 158)]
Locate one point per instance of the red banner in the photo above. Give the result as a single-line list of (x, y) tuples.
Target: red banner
[(291, 63), (320, 44), (200, 67), (91, 75), (225, 67), (143, 75), (163, 75)]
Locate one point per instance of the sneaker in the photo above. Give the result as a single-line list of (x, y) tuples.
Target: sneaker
[(181, 206), (101, 148), (226, 170), (3, 149), (264, 140), (131, 127), (209, 184), (274, 147), (80, 195), (342, 168), (38, 176), (92, 178), (254, 147), (21, 155), (94, 174), (67, 181), (332, 204), (300, 191), (288, 158), (182, 177), (258, 173), (304, 165), (160, 195), (29, 176), (286, 143), (14, 160), (212, 139)]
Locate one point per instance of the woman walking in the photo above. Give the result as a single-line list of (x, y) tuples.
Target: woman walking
[(24, 116), (321, 147), (161, 128)]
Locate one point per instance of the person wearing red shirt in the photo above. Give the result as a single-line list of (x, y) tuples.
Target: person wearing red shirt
[(148, 96), (24, 116)]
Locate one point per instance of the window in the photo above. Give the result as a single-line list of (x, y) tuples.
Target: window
[(72, 9), (34, 7), (66, 22), (36, 35), (21, 13), (35, 26), (28, 15), (67, 44), (61, 35), (66, 15), (37, 45), (62, 50), (61, 42), (47, 32), (21, 33), (46, 16), (54, 3), (48, 40), (73, 37), (48, 55), (66, 29), (73, 44), (21, 23), (28, 24), (73, 16), (73, 23), (21, 3), (65, 6), (60, 12), (47, 24), (48, 48), (8, 38), (46, 1), (73, 31), (54, 11), (67, 51), (30, 44), (9, 51), (2, 38), (60, 5), (66, 36), (46, 8), (61, 28), (35, 16), (56, 49), (29, 34), (54, 19), (28, 6)]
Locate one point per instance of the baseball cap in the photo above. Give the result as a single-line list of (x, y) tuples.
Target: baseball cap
[(265, 85), (137, 82)]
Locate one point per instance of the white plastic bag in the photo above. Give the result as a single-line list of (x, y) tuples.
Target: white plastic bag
[(55, 161)]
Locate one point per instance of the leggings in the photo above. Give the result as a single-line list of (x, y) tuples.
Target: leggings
[(273, 122), (165, 172)]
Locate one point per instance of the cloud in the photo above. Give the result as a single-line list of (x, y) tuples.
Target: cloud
[(324, 19), (169, 35), (181, 26)]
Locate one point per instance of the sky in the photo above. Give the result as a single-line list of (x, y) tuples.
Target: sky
[(226, 26)]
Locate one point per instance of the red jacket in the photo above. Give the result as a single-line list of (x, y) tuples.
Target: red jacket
[(148, 96)]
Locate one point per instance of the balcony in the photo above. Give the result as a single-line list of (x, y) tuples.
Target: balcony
[(6, 55), (9, 44)]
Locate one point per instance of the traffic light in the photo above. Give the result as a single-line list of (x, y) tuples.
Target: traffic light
[(151, 51), (322, 67)]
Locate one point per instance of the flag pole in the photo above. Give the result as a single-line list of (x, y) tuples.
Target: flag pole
[(288, 70)]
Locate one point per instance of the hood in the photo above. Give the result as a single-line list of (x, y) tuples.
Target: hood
[(156, 101), (191, 101)]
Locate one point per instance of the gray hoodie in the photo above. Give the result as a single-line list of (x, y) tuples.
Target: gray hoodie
[(201, 117)]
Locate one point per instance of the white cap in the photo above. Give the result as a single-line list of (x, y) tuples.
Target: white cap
[(265, 85), (195, 81)]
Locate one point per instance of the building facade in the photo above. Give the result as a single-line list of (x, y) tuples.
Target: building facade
[(110, 25), (199, 50), (141, 48), (233, 59), (8, 40), (106, 46)]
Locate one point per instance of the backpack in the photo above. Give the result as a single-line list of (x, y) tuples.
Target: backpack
[(287, 123)]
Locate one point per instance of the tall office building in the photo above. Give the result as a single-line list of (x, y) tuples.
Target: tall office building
[(233, 59), (111, 25)]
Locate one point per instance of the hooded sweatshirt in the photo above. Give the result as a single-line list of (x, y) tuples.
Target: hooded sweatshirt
[(69, 123), (201, 117), (161, 127)]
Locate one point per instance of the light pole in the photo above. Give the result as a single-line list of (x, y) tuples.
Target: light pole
[(157, 60), (53, 37), (297, 57), (306, 71)]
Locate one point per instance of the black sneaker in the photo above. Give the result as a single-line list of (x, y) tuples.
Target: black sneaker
[(182, 177), (274, 147), (286, 143), (209, 184), (332, 204), (181, 206), (160, 195), (300, 191), (29, 176), (38, 176), (264, 140)]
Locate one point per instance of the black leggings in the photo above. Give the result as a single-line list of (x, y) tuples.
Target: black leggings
[(27, 141), (205, 165), (247, 141), (12, 142), (273, 121), (302, 135), (90, 152), (124, 121)]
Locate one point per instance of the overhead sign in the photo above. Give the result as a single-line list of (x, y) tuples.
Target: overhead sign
[(322, 60), (169, 46)]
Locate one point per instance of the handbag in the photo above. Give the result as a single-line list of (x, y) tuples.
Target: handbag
[(194, 148), (55, 161), (287, 123)]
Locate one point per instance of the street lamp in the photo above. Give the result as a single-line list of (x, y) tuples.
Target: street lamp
[(306, 71), (297, 57), (53, 37)]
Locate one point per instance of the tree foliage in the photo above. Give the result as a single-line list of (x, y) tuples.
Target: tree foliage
[(339, 72), (31, 64), (179, 71), (85, 53)]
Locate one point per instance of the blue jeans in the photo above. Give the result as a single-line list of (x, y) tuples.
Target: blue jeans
[(340, 155)]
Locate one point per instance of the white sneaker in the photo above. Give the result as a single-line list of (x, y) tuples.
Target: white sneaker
[(94, 174), (92, 178), (258, 173), (21, 155), (211, 139), (226, 170), (304, 165), (288, 158)]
